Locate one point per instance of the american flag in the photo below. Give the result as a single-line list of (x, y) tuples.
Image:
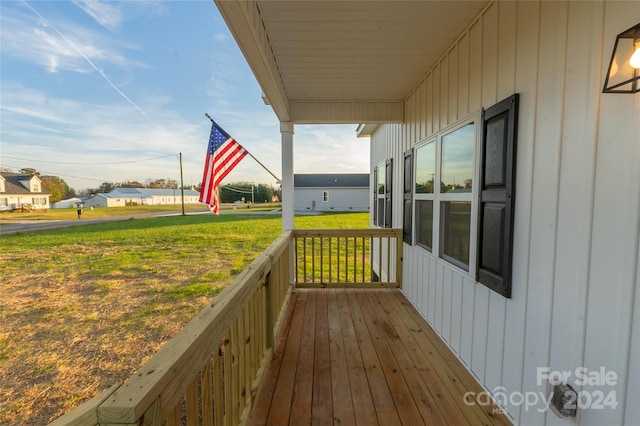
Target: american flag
[(223, 154)]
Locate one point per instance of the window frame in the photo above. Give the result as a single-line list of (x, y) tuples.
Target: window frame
[(408, 188), (383, 195), (425, 196), (438, 197), (325, 196)]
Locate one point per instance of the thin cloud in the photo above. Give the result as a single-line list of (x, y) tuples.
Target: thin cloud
[(106, 14), (34, 39), (92, 64)]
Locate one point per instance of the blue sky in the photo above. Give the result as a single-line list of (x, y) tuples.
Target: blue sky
[(96, 91)]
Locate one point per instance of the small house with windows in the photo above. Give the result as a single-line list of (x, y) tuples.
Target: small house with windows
[(331, 192), (20, 190)]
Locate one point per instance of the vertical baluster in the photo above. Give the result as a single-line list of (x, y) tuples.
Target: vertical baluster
[(207, 394), (192, 403), (218, 385), (313, 259), (174, 417), (389, 248), (330, 259), (355, 262), (321, 266), (296, 246), (362, 259), (346, 259), (338, 243)]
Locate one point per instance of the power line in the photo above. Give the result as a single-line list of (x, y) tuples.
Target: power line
[(88, 164), (46, 173), (234, 189)]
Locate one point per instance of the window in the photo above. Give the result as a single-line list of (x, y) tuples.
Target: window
[(464, 212), (407, 207), (325, 196), (444, 176), (456, 183), (424, 193), (382, 194)]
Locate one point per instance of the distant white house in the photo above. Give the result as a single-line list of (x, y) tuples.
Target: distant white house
[(121, 197), (19, 189), (331, 192)]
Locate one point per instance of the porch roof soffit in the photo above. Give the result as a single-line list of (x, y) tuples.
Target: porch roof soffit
[(347, 62)]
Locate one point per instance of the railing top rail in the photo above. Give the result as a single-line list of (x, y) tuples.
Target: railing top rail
[(182, 357), (348, 232)]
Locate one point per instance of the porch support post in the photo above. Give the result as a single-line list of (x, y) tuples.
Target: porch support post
[(286, 131)]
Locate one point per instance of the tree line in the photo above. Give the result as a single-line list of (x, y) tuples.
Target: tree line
[(229, 193), (249, 192)]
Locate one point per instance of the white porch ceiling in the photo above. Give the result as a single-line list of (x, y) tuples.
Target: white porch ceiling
[(344, 61)]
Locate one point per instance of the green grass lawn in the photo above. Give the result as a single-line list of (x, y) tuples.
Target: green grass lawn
[(84, 307)]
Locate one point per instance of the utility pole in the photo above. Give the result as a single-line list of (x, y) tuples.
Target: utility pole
[(181, 184)]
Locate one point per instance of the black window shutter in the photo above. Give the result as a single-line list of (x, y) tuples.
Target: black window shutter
[(407, 225), (497, 195), (387, 195), (375, 196)]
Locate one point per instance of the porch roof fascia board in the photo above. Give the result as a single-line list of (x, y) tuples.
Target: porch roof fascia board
[(244, 20)]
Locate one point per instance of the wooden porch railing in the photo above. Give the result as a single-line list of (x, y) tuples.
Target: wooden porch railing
[(209, 372), (348, 258)]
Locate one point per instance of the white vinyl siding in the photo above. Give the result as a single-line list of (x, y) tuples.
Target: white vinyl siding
[(575, 297)]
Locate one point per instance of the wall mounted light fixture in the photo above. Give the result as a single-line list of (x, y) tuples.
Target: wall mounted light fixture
[(623, 74)]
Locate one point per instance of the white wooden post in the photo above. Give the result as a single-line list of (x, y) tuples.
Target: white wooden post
[(286, 130)]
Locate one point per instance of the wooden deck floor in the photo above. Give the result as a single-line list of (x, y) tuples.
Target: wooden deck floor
[(364, 357)]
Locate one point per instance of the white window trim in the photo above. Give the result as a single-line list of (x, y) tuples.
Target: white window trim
[(437, 197)]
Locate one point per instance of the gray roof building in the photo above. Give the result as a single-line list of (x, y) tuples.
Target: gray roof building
[(353, 180), (331, 192)]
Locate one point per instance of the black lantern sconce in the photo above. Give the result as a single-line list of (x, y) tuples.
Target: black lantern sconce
[(623, 74)]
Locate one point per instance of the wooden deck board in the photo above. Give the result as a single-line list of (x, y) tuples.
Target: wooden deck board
[(322, 407), (364, 410), (343, 411), (364, 357), (303, 386)]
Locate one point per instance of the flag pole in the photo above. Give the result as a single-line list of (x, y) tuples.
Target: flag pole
[(248, 153)]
